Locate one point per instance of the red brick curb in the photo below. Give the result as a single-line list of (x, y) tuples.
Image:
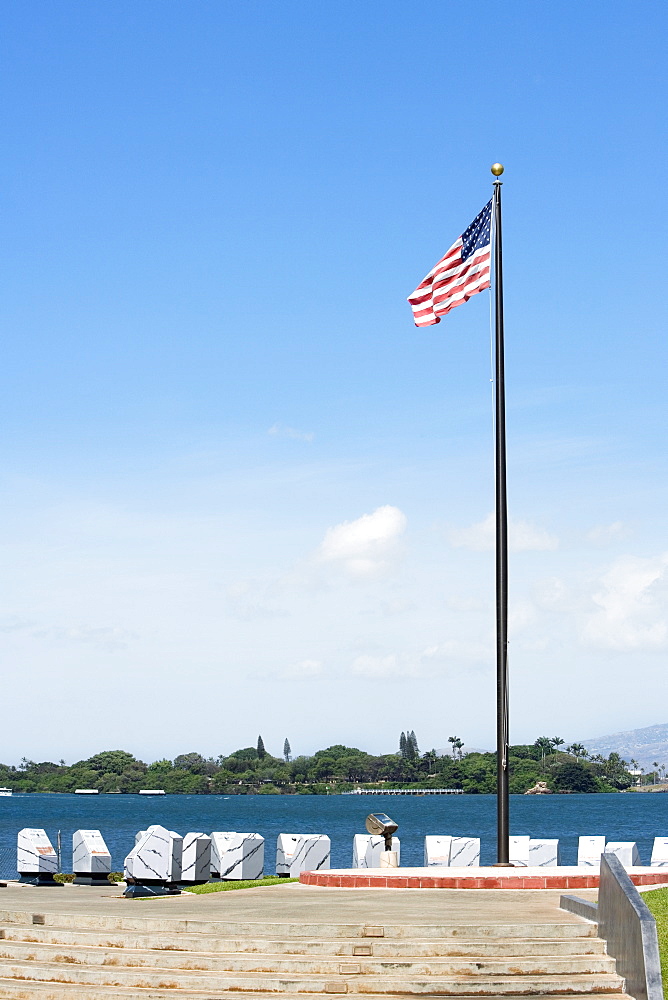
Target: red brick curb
[(515, 881)]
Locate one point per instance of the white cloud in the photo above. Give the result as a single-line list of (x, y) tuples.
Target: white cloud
[(525, 537), (252, 599), (467, 604), (536, 645), (552, 594), (432, 661), (106, 638), (522, 537), (521, 614), (365, 546), (380, 666), (12, 623), (303, 670), (394, 607), (603, 534), (459, 652), (280, 430), (632, 605)]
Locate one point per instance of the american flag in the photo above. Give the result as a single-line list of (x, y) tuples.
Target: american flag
[(463, 271)]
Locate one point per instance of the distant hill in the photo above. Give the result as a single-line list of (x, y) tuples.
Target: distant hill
[(644, 745)]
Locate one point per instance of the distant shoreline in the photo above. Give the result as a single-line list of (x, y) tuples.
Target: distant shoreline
[(663, 787), (547, 762), (375, 793)]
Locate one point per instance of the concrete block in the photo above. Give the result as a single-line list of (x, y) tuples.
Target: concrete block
[(35, 854), (518, 851), (90, 857), (156, 858), (543, 853), (237, 855), (626, 850), (437, 851), (301, 852), (368, 849), (660, 853), (465, 852), (590, 850), (196, 858)]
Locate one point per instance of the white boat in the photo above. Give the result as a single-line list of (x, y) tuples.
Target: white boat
[(151, 791), (86, 791), (5, 791)]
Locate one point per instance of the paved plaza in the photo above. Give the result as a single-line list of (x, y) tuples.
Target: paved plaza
[(294, 902)]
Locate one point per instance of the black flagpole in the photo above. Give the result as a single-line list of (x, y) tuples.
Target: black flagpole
[(502, 802)]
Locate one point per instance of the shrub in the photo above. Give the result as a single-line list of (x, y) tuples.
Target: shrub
[(572, 776)]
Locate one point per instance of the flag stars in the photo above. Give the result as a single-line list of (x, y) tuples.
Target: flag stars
[(477, 235)]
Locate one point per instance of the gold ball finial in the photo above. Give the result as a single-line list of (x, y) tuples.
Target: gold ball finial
[(497, 169)]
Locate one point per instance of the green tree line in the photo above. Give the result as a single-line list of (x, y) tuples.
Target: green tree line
[(253, 770)]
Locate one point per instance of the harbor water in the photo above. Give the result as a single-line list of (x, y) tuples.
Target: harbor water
[(630, 816)]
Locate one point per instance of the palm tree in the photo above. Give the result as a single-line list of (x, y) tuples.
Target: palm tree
[(455, 740), (655, 765), (556, 742), (543, 743), (578, 750)]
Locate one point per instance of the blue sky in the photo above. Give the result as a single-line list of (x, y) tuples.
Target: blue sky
[(241, 493)]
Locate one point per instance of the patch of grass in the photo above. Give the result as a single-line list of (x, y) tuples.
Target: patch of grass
[(657, 902), (249, 883)]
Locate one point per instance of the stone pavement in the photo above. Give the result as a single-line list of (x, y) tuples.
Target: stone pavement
[(86, 943), (299, 903)]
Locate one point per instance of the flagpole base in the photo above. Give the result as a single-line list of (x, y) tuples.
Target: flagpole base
[(503, 864)]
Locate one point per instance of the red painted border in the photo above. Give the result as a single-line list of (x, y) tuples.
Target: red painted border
[(355, 880)]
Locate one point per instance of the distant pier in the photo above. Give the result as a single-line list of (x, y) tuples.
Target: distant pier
[(405, 791)]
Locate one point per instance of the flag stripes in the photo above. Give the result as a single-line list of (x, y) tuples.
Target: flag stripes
[(462, 272)]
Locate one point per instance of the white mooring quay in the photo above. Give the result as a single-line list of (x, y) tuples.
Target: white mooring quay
[(405, 791)]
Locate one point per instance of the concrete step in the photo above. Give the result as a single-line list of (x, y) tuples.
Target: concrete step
[(304, 965), (26, 990), (251, 982), (351, 947), (159, 924)]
